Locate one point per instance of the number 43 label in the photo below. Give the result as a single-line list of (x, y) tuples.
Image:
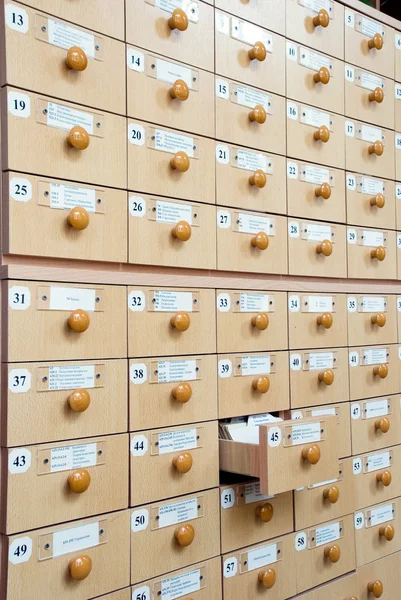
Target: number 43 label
[(19, 460)]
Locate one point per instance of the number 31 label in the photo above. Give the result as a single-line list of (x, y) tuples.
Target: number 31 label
[(19, 297)]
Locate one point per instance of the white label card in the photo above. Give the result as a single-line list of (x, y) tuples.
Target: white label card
[(318, 304), (316, 175), (250, 97), (251, 161), (327, 534), (71, 377), (254, 302), (172, 212), (255, 365), (65, 458), (190, 7), (252, 493), (170, 72), (176, 370), (373, 304), (16, 18), (19, 381), (320, 412), (176, 441), (265, 555), (69, 196), (318, 233), (321, 360), (62, 298), (370, 27), (305, 433), (378, 461), (171, 514), (20, 189), (381, 514), (371, 134), (167, 141), (369, 81), (373, 238), (20, 550), (64, 117), (375, 356), (372, 186), (250, 34), (75, 539), (315, 117), (19, 104), (181, 585), (65, 36), (376, 408), (247, 223), (168, 301), (19, 460), (313, 60)]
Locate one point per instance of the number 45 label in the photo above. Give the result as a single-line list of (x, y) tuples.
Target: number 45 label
[(274, 436)]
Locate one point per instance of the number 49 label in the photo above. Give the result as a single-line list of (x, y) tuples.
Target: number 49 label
[(20, 550)]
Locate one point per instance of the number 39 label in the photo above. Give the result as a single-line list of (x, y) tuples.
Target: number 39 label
[(19, 460), (20, 550)]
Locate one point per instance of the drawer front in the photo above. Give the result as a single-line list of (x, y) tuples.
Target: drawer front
[(259, 12), (315, 192), (397, 205), (376, 529), (397, 105), (374, 371), (370, 201), (82, 478), (377, 476), (251, 321), (50, 558), (176, 94), (263, 387), (341, 587), (51, 67), (369, 149), (371, 253), (246, 115), (240, 183), (194, 45), (73, 400), (185, 165), (69, 220), (74, 322), (249, 517), (375, 424), (381, 576), (170, 321), (251, 242), (397, 156), (163, 231), (176, 390), (159, 532), (172, 462), (369, 96), (120, 595), (310, 323), (372, 319), (397, 56)]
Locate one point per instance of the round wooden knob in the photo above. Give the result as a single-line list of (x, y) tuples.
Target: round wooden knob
[(183, 462), (381, 371), (325, 320), (258, 114), (332, 553), (322, 134), (79, 400), (258, 52), (182, 231), (260, 321), (379, 319), (322, 19), (78, 138), (79, 481), (387, 531), (180, 162), (323, 191), (79, 320), (76, 59), (376, 148), (180, 90), (178, 20), (376, 42), (377, 95), (184, 534), (80, 567), (326, 376), (379, 253), (258, 179), (331, 494), (267, 578), (265, 512), (382, 424), (322, 76), (261, 384), (181, 321), (260, 240), (385, 478), (311, 454), (78, 218), (182, 392), (379, 201), (375, 588), (325, 248)]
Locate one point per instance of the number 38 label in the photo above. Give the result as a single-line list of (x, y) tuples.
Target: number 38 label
[(20, 550)]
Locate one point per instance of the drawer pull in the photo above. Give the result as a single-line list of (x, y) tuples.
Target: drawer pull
[(381, 371), (78, 218), (79, 400), (261, 384), (376, 42), (79, 320), (311, 454), (260, 321), (379, 201), (322, 76), (183, 462), (323, 191), (379, 319), (382, 424), (375, 588), (80, 567), (182, 231), (178, 20), (331, 494), (79, 481), (76, 59), (258, 52), (180, 162), (258, 179), (377, 95), (326, 376), (258, 114), (387, 531), (376, 148), (332, 553), (385, 478), (379, 253), (267, 578), (179, 90), (322, 19), (265, 512), (78, 138), (181, 321), (260, 240), (182, 392), (325, 320), (325, 248), (322, 134), (185, 534)]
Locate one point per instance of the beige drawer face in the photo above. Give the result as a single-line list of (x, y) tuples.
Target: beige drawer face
[(47, 207), (170, 321), (153, 229), (235, 311), (173, 461), (361, 141), (195, 45), (251, 242), (375, 424), (120, 595), (103, 161), (374, 371), (366, 324), (300, 27), (362, 248), (49, 557), (313, 567), (154, 403), (310, 324), (318, 376), (376, 531), (153, 534), (44, 308), (249, 517), (238, 178), (99, 467), (235, 106), (264, 387), (365, 197), (303, 122), (235, 43), (377, 476), (73, 399), (397, 205), (341, 587), (307, 184), (307, 243), (399, 316), (306, 70), (326, 500), (359, 31), (369, 97), (397, 105), (273, 558), (386, 571), (397, 55), (45, 43), (187, 106), (397, 156), (152, 149), (262, 13)]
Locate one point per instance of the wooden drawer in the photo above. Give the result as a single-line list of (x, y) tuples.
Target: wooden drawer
[(173, 534), (249, 517), (376, 531), (251, 242), (369, 97), (397, 156), (64, 323), (371, 253), (372, 319), (369, 149), (377, 476), (170, 321), (79, 560), (259, 12), (380, 577), (165, 231), (235, 312), (171, 462), (370, 201), (397, 105), (124, 594), (375, 424), (175, 391), (342, 587), (374, 371)]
